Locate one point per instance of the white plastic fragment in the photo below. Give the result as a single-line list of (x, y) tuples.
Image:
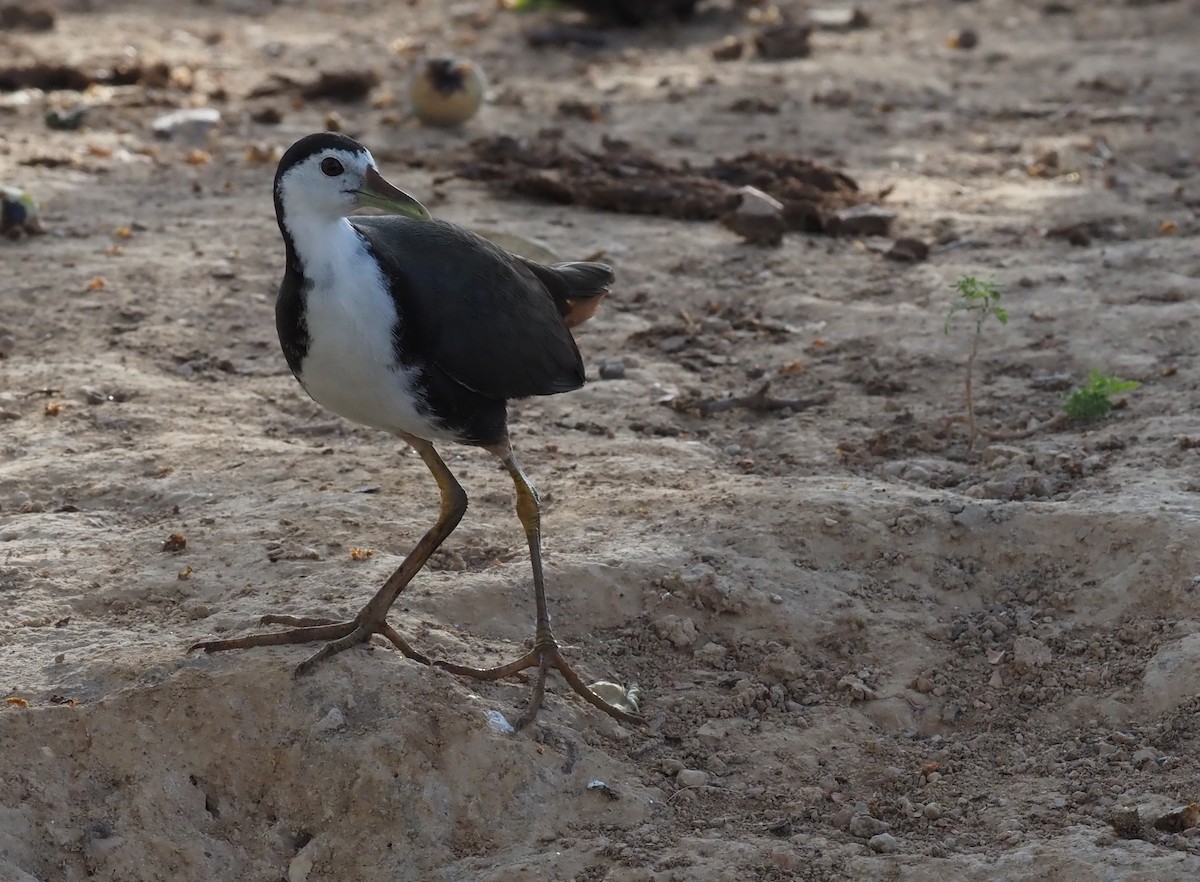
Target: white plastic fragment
[(499, 722)]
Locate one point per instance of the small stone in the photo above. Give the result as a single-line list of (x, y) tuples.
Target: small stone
[(1184, 819), (729, 49), (1126, 822), (865, 826), (1144, 757), (267, 116), (965, 38), (907, 250), (883, 843), (861, 220), (1029, 653), (691, 778), (681, 631), (839, 18), (175, 543), (758, 219), (782, 41), (932, 811), (66, 119), (192, 124), (612, 369), (331, 722)]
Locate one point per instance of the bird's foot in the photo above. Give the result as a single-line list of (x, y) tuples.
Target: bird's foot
[(544, 656), (337, 636)]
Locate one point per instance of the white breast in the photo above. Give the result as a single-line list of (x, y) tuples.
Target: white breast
[(351, 365)]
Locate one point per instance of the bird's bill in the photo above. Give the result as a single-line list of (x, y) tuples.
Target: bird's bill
[(378, 193)]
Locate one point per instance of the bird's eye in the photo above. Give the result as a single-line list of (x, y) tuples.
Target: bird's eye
[(331, 167)]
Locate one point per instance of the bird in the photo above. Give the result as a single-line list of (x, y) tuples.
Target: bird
[(419, 327)]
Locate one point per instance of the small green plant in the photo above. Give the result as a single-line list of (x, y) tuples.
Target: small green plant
[(980, 300), (1093, 400)]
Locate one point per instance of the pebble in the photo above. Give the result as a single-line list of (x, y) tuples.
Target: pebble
[(729, 49), (191, 124), (733, 449), (66, 119), (862, 220), (1144, 757), (758, 219), (865, 826), (681, 631), (787, 40), (691, 778), (331, 722), (883, 843), (1029, 652), (197, 611), (612, 369), (932, 811), (966, 38), (839, 18)]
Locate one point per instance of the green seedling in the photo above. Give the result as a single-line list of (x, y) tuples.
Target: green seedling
[(981, 301), (1093, 400)]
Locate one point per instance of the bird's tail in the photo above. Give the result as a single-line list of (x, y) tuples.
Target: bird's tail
[(577, 287)]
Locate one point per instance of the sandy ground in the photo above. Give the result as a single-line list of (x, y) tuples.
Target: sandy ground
[(872, 652)]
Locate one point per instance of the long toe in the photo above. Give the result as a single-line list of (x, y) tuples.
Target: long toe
[(337, 636), (307, 634), (544, 656)]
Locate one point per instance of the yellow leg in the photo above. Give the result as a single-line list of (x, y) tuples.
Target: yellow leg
[(372, 619), (545, 653)]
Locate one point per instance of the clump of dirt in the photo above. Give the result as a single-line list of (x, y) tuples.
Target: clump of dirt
[(627, 179)]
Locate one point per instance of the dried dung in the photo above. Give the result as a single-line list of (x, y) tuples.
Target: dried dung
[(631, 180)]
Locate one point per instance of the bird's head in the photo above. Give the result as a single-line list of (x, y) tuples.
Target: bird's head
[(328, 175)]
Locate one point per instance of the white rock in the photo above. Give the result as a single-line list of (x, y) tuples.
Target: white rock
[(1029, 652), (331, 722), (1171, 676), (191, 124), (691, 778), (756, 203), (679, 630), (883, 843)]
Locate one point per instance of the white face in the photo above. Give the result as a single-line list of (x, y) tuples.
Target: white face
[(325, 184)]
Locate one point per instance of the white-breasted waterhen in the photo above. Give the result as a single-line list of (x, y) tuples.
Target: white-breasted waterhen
[(421, 328)]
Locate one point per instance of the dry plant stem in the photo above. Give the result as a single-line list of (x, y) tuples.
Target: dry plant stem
[(1058, 422), (972, 430)]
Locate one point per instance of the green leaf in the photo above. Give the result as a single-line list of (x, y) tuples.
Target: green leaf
[(1092, 400)]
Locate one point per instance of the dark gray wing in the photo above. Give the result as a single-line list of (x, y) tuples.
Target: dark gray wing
[(481, 314)]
